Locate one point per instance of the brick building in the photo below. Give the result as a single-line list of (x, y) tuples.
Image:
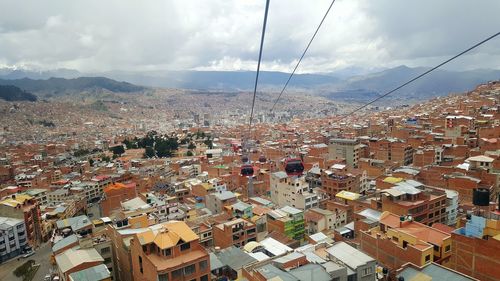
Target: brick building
[(171, 252), (397, 241), (237, 232)]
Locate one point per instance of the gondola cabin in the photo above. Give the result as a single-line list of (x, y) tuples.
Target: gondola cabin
[(294, 167)]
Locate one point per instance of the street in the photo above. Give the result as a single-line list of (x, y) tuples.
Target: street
[(41, 256)]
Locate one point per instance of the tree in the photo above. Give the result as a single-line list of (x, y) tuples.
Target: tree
[(91, 162), (191, 146), (208, 142), (150, 152), (117, 149), (105, 158), (189, 153)]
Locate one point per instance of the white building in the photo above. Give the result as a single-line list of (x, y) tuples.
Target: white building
[(13, 238), (451, 206), (190, 171), (292, 191)]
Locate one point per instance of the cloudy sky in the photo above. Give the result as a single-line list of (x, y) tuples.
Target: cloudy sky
[(97, 35)]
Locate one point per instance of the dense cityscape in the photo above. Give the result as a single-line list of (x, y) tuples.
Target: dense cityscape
[(249, 140), (408, 191)]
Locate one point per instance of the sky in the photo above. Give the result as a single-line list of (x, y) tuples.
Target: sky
[(97, 35)]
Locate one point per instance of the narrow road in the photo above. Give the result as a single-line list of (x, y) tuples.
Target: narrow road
[(41, 256)]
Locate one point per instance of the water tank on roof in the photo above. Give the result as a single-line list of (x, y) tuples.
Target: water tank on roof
[(481, 197), (244, 159)]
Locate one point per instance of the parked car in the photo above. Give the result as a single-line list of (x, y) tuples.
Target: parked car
[(29, 253)]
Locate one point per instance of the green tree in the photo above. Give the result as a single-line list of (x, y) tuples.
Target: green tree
[(149, 153), (208, 142), (189, 153), (191, 146), (117, 149), (91, 162), (105, 158)]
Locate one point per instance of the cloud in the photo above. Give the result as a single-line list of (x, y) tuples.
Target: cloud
[(95, 35)]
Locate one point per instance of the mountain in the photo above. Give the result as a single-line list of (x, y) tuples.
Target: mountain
[(13, 93), (221, 80), (437, 83), (62, 85), (347, 84)]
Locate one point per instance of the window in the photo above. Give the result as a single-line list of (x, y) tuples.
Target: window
[(140, 264), (427, 258), (166, 252), (447, 248), (107, 260), (177, 273), (185, 246), (203, 265), (204, 278), (105, 250), (163, 277), (367, 271), (188, 270)]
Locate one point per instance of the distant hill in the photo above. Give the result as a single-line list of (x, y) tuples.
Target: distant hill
[(62, 85), (437, 83), (349, 84), (13, 93), (351, 88), (221, 80)]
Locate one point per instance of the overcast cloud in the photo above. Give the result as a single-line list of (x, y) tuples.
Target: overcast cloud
[(100, 35)]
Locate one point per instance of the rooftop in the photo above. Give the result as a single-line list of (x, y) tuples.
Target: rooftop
[(420, 231), (432, 271), (168, 235), (75, 223), (95, 273), (350, 256), (74, 257)]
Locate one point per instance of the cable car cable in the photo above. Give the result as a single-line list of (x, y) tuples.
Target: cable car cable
[(258, 68), (303, 54), (423, 74)]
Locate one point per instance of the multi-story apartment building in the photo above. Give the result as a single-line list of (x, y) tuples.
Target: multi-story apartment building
[(389, 149), (216, 201), (398, 240), (288, 221), (362, 265), (405, 199), (338, 179), (348, 149), (476, 248), (237, 232), (318, 220), (116, 193), (171, 252), (24, 207), (292, 191), (39, 194), (13, 239)]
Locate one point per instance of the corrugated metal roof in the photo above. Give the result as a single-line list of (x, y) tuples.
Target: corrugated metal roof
[(71, 258), (64, 242), (434, 272), (95, 273), (350, 256)]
